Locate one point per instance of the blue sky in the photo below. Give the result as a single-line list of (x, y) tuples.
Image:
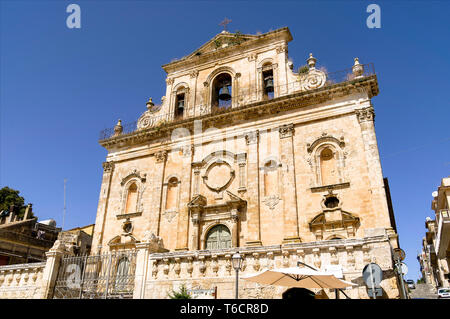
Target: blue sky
[(60, 87)]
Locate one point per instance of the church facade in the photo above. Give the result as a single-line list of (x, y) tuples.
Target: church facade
[(245, 154)]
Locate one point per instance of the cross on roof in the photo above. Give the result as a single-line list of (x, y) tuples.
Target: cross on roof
[(224, 23)]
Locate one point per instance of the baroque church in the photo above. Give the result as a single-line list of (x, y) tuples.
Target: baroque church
[(245, 154)]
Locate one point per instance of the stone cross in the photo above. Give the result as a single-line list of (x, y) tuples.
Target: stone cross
[(224, 23)]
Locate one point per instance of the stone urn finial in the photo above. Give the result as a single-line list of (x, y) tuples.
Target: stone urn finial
[(311, 61), (150, 103), (118, 129), (357, 68)]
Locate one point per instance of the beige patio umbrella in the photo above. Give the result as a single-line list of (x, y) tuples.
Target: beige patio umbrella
[(299, 278)]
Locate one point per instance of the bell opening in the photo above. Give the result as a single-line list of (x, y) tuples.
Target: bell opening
[(222, 91), (179, 106), (268, 84)]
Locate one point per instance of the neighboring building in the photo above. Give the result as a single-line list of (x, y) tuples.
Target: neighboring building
[(244, 154), (435, 256), (80, 238), (25, 240)]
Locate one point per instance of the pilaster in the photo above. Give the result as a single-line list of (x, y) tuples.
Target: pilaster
[(108, 169), (290, 213), (253, 213), (366, 117), (158, 178)]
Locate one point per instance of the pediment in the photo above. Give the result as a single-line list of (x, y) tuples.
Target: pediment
[(323, 218), (221, 40), (122, 240), (226, 40), (198, 200)]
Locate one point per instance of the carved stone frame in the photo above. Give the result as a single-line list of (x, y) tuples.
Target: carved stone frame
[(315, 149), (134, 177)]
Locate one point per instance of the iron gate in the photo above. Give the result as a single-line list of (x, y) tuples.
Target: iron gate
[(106, 276)]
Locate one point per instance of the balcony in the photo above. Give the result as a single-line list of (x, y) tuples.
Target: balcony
[(314, 82)]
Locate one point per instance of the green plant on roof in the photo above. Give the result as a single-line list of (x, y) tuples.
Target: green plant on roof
[(303, 69)]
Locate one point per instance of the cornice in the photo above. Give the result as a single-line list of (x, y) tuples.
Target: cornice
[(254, 110)]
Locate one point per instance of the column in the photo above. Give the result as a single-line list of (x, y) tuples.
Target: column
[(253, 218), (366, 118), (290, 210), (253, 80), (51, 269), (282, 72), (158, 180), (193, 92), (185, 195), (140, 276), (234, 227), (108, 169), (195, 232)]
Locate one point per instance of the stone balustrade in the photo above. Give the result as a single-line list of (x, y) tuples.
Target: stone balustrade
[(216, 266), (21, 281)]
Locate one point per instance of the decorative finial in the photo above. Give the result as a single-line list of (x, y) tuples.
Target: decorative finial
[(224, 23), (357, 68), (118, 129), (150, 103), (311, 61)]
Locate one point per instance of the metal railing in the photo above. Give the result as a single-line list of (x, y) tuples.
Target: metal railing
[(106, 276), (245, 97)]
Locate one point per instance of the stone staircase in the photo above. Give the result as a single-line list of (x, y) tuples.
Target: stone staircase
[(425, 291)]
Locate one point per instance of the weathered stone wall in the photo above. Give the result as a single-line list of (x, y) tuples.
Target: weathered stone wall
[(21, 281)]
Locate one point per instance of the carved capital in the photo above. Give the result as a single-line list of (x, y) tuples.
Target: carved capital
[(252, 57), (108, 167), (281, 48), (161, 156), (286, 130), (366, 114), (169, 81), (193, 74), (187, 150), (252, 137)]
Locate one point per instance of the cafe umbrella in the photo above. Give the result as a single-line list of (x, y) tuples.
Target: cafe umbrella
[(298, 278)]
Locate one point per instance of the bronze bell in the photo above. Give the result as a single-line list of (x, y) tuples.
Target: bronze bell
[(181, 104), (268, 83), (224, 93)]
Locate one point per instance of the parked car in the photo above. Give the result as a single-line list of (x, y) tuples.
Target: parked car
[(411, 284), (443, 292)]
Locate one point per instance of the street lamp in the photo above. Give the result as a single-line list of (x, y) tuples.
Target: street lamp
[(237, 262)]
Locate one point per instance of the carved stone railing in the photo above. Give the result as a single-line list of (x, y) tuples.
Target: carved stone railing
[(352, 254), (21, 281)]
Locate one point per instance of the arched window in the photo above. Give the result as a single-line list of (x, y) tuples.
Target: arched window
[(131, 199), (218, 237), (172, 194), (270, 178), (221, 91), (328, 167)]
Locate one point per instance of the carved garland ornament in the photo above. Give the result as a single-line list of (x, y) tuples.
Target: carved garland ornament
[(365, 114), (271, 201)]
